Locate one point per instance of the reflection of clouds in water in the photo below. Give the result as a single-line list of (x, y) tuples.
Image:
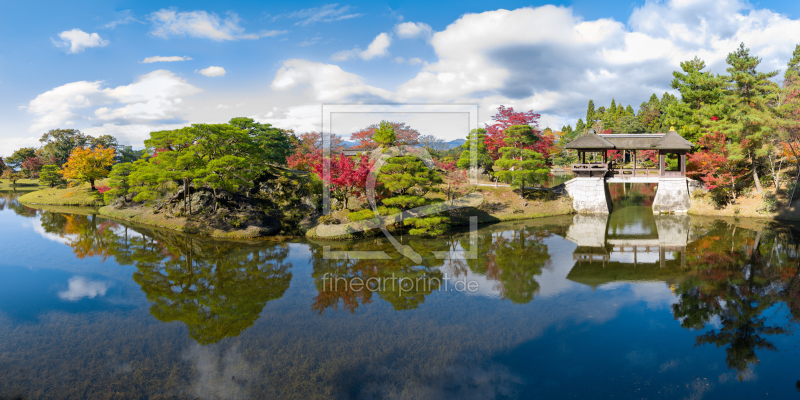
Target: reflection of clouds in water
[(655, 294), (221, 374), (747, 376), (37, 227), (460, 382), (669, 365), (698, 388), (553, 280), (80, 287), (641, 357)]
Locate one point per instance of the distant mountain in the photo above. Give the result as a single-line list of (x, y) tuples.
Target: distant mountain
[(455, 143), (348, 143)]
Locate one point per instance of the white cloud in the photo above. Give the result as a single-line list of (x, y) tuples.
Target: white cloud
[(326, 82), (155, 59), (496, 58), (77, 41), (80, 287), (326, 13), (378, 48), (223, 107), (212, 71), (300, 118), (407, 30), (126, 17), (410, 61), (201, 24), (154, 97)]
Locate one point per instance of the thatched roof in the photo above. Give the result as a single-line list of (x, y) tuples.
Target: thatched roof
[(590, 141), (673, 141), (630, 141)]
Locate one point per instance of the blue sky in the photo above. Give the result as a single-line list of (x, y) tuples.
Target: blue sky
[(82, 64)]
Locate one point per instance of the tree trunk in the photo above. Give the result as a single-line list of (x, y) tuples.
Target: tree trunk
[(91, 182), (185, 194), (759, 189)]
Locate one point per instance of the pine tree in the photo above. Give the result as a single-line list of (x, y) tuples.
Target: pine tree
[(484, 160), (405, 180), (518, 166), (746, 100), (580, 126), (590, 114), (629, 111), (701, 92), (613, 109), (50, 175)]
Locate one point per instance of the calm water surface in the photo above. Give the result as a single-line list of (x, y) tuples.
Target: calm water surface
[(624, 306)]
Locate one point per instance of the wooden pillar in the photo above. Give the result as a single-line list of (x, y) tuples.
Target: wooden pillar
[(683, 164), (583, 157), (634, 162), (660, 163)]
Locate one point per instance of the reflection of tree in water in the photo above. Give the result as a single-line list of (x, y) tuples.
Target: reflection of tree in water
[(399, 281), (218, 291), (8, 200), (738, 274), (513, 259), (216, 288), (632, 194)]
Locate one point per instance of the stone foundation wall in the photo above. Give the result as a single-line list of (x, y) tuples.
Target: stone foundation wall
[(589, 195), (672, 195)]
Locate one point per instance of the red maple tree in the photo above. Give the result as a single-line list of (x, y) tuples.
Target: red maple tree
[(715, 166), (346, 178), (505, 117), (308, 150)]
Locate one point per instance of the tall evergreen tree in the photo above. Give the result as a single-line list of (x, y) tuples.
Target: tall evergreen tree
[(701, 92), (590, 113), (746, 99), (580, 126)]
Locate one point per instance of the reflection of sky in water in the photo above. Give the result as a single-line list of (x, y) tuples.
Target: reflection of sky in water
[(74, 317), (81, 287)]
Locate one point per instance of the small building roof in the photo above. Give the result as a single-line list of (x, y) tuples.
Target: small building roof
[(630, 141), (673, 141), (590, 141)]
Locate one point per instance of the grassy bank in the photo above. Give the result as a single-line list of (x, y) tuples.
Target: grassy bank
[(23, 185), (749, 205), (80, 195), (499, 204)]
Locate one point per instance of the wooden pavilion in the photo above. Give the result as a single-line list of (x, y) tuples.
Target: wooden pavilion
[(664, 143)]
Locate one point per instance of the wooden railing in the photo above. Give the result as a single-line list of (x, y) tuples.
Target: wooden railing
[(590, 166)]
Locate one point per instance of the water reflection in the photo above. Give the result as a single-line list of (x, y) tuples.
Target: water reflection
[(399, 281), (739, 276), (729, 284), (512, 259), (217, 288)]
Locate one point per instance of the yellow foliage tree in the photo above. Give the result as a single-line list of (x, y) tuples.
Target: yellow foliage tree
[(88, 165)]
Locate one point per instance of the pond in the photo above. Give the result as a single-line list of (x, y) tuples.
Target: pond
[(629, 305)]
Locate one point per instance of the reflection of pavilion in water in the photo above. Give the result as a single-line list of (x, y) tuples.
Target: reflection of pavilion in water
[(608, 251)]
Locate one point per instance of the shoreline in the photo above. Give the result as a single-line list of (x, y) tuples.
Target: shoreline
[(503, 209)]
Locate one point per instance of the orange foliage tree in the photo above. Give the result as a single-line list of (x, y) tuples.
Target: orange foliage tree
[(88, 165)]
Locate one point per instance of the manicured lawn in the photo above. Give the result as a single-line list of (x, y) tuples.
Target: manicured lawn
[(81, 195), (23, 185)]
